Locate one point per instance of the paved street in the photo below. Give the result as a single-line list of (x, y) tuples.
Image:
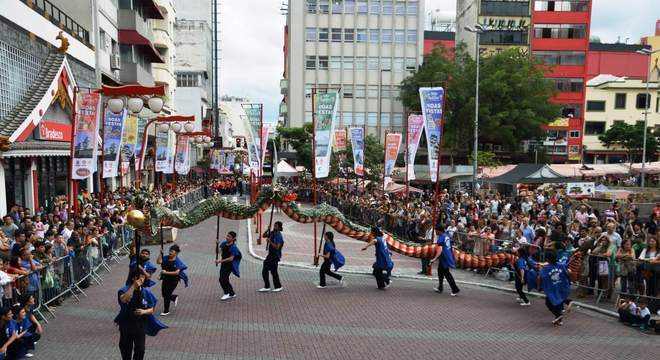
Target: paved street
[(357, 322)]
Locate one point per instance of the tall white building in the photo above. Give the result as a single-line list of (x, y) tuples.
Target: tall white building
[(163, 32), (361, 48)]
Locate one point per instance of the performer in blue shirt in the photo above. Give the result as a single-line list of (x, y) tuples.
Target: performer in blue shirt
[(383, 265), (331, 256), (274, 243), (229, 263), (12, 344), (446, 256), (172, 271), (556, 286), (135, 318), (522, 268), (145, 266)]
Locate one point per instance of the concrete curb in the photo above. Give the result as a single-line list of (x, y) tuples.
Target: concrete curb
[(420, 278)]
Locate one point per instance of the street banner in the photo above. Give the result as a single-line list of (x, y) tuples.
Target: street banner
[(182, 159), (340, 140), (215, 160), (432, 100), (392, 145), (128, 142), (324, 127), (265, 132), (171, 152), (142, 122), (253, 112), (231, 159), (357, 143), (415, 127), (113, 125), (162, 150), (85, 151)]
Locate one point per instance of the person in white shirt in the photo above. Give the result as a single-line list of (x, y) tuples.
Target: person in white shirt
[(451, 229), (68, 230), (615, 238)]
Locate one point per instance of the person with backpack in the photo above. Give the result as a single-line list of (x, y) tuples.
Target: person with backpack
[(557, 287), (331, 256), (230, 262)]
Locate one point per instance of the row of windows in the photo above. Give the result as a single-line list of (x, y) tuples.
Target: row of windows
[(397, 64), (350, 91), (188, 80), (598, 127), (374, 7), (560, 31), (568, 84), (560, 57), (563, 5), (360, 35), (348, 118), (504, 37), (504, 8), (642, 101)]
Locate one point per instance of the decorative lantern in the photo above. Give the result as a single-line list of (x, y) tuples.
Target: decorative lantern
[(135, 104), (116, 105), (176, 127), (155, 104), (189, 126), (163, 127)]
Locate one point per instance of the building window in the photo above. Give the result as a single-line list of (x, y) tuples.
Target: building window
[(372, 91), (349, 35), (568, 84), (385, 119), (594, 105), (502, 8), (359, 118), (398, 64), (411, 9), (347, 118), (387, 7), (564, 5), (657, 104), (308, 90), (308, 116), (336, 35), (503, 37), (620, 101), (397, 119), (187, 80), (374, 35), (335, 62), (337, 7), (594, 127), (560, 57), (311, 6), (360, 91), (411, 64), (349, 7), (560, 31), (361, 35), (400, 8), (362, 7), (399, 36), (372, 119), (372, 63), (374, 7), (571, 111), (643, 101), (574, 134), (348, 62), (323, 63), (385, 92), (386, 63), (324, 6), (412, 36), (348, 91), (323, 34), (310, 34), (310, 62), (360, 63), (386, 36)]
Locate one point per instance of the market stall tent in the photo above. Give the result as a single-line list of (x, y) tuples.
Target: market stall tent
[(285, 170), (530, 174)]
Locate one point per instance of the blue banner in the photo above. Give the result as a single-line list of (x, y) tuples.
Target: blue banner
[(113, 126), (432, 100)]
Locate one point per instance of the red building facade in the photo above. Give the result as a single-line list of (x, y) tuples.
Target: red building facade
[(560, 39)]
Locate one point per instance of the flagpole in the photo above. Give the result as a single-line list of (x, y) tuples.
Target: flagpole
[(437, 171), (72, 183), (314, 171), (384, 160), (407, 149), (261, 157)]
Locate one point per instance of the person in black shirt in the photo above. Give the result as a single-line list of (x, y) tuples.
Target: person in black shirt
[(229, 263), (274, 242), (171, 273)]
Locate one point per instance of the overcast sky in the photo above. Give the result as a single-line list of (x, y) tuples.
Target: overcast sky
[(252, 35)]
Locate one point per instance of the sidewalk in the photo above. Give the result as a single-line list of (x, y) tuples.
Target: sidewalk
[(298, 251)]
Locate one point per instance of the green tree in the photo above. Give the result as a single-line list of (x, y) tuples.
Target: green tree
[(514, 96), (300, 140), (485, 158), (631, 139)]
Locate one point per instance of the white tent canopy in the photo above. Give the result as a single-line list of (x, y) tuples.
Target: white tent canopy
[(285, 170)]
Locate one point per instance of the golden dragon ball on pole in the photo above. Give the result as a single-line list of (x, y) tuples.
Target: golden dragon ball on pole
[(136, 218)]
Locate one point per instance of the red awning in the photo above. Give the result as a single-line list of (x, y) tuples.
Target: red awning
[(132, 37), (151, 10)]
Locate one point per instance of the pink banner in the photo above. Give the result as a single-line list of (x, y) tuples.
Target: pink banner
[(340, 140), (392, 145), (415, 127), (265, 131)]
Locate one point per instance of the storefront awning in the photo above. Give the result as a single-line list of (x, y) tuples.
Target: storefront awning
[(36, 148), (132, 37)]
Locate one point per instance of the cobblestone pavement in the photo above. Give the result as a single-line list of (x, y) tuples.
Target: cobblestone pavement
[(407, 321)]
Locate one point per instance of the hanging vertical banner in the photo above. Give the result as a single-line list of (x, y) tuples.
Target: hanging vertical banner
[(161, 150), (182, 159), (357, 143), (86, 133), (265, 132), (324, 127), (142, 122), (392, 145), (415, 127), (171, 152), (230, 161), (128, 142), (253, 112), (432, 100), (215, 160), (340, 140), (113, 125)]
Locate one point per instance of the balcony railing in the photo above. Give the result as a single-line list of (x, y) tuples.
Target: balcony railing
[(59, 19)]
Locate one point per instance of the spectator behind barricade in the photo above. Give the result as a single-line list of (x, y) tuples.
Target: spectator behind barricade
[(612, 235), (626, 267), (638, 237), (650, 266), (68, 230), (30, 264), (6, 283), (9, 227), (602, 259), (4, 246)]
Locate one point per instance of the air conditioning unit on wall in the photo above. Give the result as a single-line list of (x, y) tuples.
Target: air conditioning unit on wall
[(115, 62)]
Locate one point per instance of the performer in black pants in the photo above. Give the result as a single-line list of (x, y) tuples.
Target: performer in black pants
[(446, 255), (172, 271), (274, 243), (135, 317), (330, 256), (229, 263)]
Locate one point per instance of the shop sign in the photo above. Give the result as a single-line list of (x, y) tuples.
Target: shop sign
[(54, 131)]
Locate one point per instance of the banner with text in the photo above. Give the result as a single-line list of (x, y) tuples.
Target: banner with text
[(324, 127), (415, 127), (265, 132), (432, 101), (113, 126), (340, 140), (161, 150), (182, 160), (253, 112), (139, 154), (171, 152), (357, 143), (86, 134), (128, 142), (392, 145)]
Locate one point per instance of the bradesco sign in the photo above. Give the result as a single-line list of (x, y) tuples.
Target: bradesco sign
[(53, 131)]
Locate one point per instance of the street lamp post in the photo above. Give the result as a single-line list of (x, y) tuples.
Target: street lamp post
[(647, 107), (477, 30)]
